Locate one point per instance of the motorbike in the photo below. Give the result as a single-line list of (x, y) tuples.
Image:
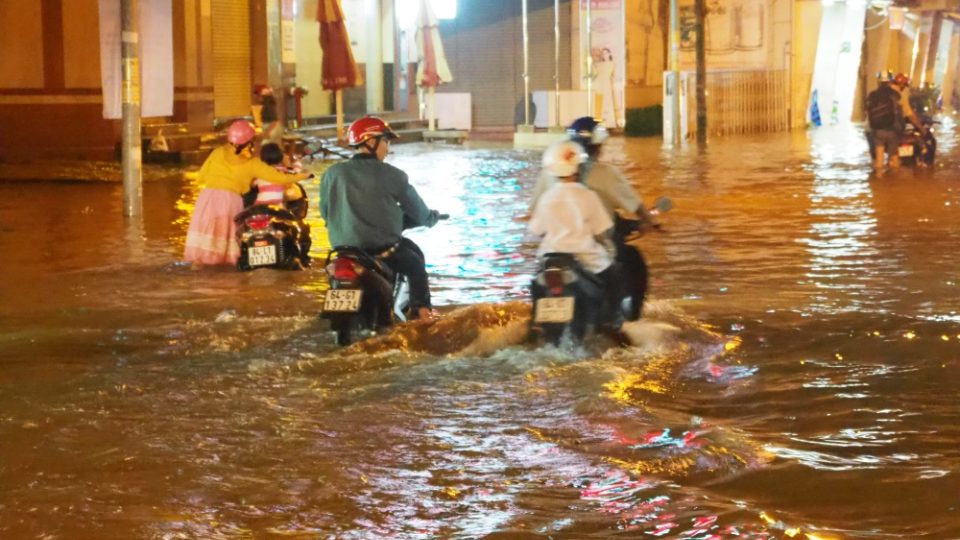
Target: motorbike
[(366, 296), (273, 237), (915, 146), (918, 146), (569, 301)]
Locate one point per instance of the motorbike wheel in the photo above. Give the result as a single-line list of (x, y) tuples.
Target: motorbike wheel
[(243, 264), (553, 333), (348, 331)]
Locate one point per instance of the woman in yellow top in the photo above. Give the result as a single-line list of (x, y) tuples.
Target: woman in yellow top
[(227, 174)]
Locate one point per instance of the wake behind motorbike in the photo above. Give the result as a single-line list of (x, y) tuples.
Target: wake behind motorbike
[(569, 301), (366, 296), (274, 237)]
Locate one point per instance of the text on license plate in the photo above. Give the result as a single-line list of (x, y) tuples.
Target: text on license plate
[(262, 256), (554, 310), (906, 150), (347, 300)]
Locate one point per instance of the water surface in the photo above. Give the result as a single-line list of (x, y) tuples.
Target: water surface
[(796, 373)]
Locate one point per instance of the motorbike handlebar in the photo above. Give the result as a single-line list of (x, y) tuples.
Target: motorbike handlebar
[(441, 217)]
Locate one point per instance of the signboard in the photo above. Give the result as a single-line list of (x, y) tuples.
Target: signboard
[(607, 48)]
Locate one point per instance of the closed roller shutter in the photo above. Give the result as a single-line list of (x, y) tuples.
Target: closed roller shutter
[(484, 47), (231, 57)]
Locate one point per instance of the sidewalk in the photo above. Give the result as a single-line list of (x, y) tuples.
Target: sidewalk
[(84, 171)]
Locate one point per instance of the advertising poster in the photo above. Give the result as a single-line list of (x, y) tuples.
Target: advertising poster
[(607, 47)]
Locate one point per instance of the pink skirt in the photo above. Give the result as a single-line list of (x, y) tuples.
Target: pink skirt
[(212, 237)]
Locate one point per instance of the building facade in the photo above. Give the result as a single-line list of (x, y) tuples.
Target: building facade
[(609, 55)]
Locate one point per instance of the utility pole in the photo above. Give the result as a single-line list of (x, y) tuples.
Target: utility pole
[(556, 63), (675, 69), (700, 9), (132, 151), (591, 101), (526, 66)]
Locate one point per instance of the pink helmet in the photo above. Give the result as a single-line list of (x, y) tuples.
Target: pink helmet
[(240, 132)]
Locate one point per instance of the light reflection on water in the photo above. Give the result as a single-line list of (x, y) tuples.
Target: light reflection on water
[(795, 375)]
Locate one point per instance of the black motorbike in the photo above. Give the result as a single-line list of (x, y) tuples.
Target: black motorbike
[(273, 237), (915, 146), (918, 146), (569, 301), (366, 296)]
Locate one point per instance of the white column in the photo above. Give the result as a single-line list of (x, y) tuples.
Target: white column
[(374, 56)]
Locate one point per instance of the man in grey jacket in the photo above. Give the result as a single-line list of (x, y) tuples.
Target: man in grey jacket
[(367, 203)]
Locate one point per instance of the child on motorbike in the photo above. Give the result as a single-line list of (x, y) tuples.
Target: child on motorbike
[(292, 197), (227, 173), (571, 219)]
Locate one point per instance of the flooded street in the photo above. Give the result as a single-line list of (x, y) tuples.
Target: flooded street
[(796, 374)]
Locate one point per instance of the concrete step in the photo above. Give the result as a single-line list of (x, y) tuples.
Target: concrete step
[(325, 127)]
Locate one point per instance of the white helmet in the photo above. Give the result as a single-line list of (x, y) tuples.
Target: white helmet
[(563, 158)]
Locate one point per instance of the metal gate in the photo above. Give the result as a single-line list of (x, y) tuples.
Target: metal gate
[(232, 89), (741, 102)]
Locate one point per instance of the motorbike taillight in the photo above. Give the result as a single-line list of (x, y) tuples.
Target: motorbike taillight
[(345, 269), (258, 222), (554, 279)]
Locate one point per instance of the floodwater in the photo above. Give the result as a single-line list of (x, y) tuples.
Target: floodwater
[(796, 375)]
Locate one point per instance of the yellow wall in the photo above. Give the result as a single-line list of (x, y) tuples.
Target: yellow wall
[(646, 53), (741, 35), (81, 44), (806, 35), (21, 23)]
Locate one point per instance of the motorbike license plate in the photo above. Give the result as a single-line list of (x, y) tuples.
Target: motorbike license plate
[(262, 256), (906, 150), (343, 300), (554, 310)]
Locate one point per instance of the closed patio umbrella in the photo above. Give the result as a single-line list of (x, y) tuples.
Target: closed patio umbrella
[(432, 68), (339, 70)]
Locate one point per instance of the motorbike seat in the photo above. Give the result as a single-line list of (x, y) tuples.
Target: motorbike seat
[(568, 261), (259, 209)]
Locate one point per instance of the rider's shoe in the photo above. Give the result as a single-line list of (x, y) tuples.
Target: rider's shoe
[(423, 313), (427, 314), (616, 335)]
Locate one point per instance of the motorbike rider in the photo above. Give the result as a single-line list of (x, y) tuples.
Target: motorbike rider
[(887, 108), (227, 174), (572, 219), (902, 83), (367, 203), (621, 201)]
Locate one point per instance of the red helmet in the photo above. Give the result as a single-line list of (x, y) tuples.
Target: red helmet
[(240, 132), (369, 127), (901, 80)]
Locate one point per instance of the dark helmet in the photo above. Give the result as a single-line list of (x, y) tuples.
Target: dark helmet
[(588, 131)]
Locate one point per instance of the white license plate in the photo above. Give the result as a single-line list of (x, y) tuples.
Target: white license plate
[(906, 150), (262, 256), (554, 310), (345, 300)]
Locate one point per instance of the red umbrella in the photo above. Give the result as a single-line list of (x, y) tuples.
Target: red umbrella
[(339, 70), (432, 70)]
